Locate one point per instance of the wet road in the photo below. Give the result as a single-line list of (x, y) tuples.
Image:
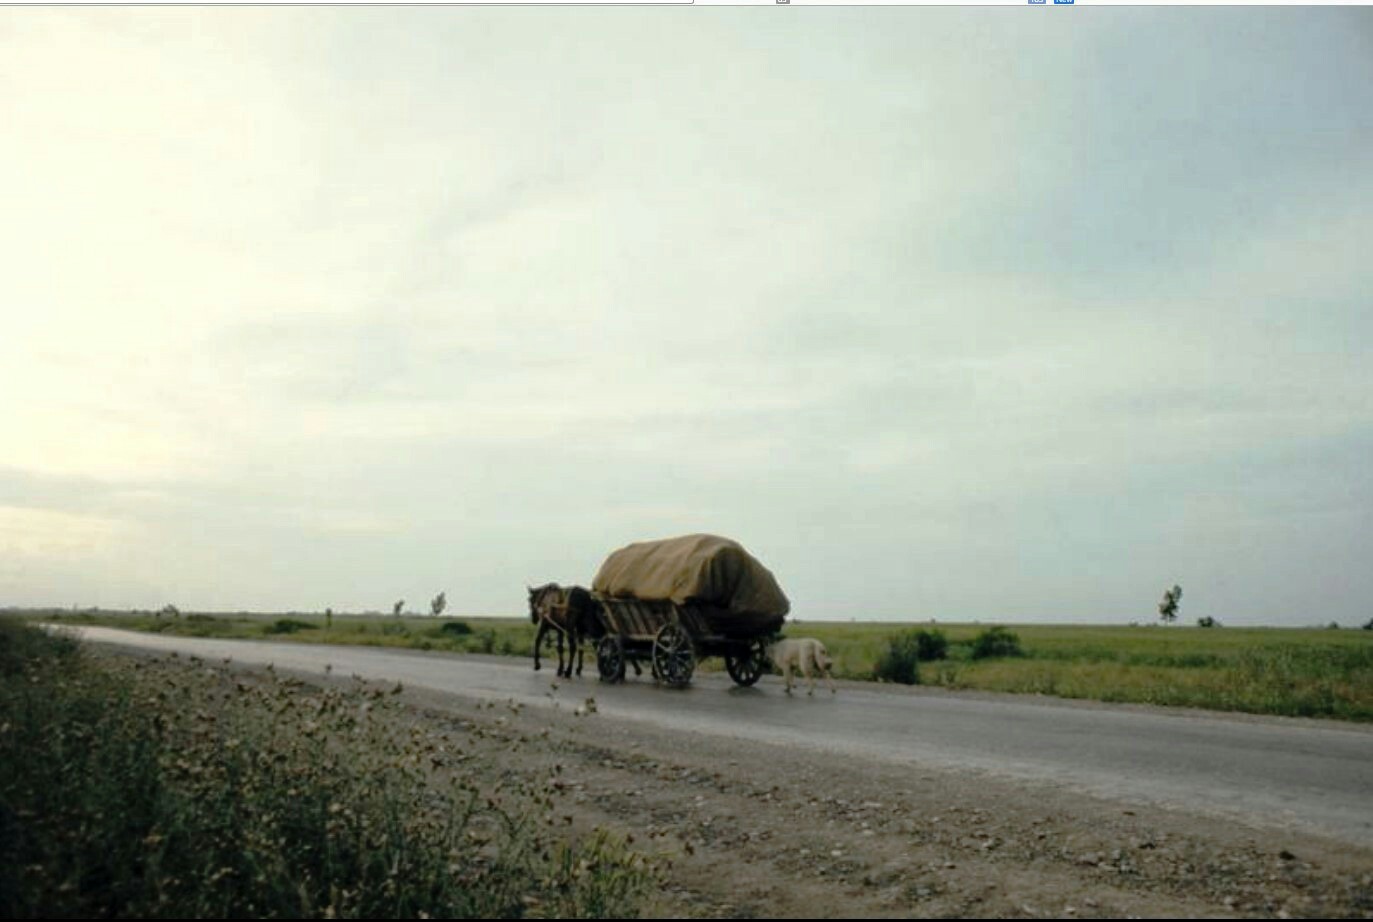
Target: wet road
[(1314, 776)]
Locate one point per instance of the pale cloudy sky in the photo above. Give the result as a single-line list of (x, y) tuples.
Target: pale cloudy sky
[(954, 313)]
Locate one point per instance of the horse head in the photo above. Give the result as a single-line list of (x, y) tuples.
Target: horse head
[(538, 597)]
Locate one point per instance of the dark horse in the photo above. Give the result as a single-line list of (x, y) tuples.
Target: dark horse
[(568, 611)]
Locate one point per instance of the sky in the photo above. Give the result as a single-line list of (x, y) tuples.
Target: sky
[(958, 313)]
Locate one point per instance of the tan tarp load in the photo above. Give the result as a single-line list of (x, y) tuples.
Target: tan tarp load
[(693, 568)]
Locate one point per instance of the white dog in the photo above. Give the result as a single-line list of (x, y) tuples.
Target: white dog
[(803, 653)]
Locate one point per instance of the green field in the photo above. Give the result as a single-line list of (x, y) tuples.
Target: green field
[(1299, 672), (501, 636)]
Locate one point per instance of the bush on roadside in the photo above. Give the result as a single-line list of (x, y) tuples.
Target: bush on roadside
[(486, 641), (931, 645), (996, 641), (20, 646), (289, 626), (900, 661)]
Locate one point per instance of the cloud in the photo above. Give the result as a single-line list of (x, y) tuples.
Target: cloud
[(321, 302)]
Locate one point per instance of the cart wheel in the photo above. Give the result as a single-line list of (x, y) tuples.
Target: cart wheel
[(610, 658), (746, 666), (673, 658)]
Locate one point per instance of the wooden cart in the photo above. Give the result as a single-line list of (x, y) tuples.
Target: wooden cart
[(673, 637)]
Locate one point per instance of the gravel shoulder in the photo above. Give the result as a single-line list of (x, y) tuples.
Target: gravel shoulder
[(768, 830)]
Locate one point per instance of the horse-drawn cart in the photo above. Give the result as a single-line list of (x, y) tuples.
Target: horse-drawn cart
[(673, 602), (673, 637)]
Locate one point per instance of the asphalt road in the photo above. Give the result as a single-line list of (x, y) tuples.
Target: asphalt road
[(1312, 776)]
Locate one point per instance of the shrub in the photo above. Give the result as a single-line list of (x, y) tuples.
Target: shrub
[(931, 645), (288, 626), (996, 641), (1207, 621), (899, 662), (20, 644), (456, 629)]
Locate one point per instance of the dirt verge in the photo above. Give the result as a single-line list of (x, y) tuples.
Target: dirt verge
[(759, 830)]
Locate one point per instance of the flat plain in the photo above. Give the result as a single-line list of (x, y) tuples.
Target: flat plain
[(1295, 672)]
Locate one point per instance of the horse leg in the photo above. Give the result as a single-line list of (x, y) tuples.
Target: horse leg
[(581, 651), (561, 673), (538, 642)]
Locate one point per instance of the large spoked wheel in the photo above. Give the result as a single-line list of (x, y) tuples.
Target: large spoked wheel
[(746, 666), (610, 658), (673, 658)]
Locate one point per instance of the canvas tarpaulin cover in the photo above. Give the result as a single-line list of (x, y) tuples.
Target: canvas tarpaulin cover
[(694, 568)]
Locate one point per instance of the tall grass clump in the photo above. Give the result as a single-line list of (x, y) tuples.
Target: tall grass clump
[(130, 788)]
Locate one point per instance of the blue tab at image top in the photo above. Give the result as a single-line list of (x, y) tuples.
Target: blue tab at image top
[(1062, 2)]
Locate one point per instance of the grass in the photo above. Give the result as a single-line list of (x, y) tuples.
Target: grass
[(1293, 672), (502, 636), (162, 791), (1297, 672)]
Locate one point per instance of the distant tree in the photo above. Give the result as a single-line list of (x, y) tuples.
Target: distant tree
[(1368, 625), (1207, 621), (439, 604), (396, 609), (170, 610), (1168, 608), (1333, 626), (328, 617)]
